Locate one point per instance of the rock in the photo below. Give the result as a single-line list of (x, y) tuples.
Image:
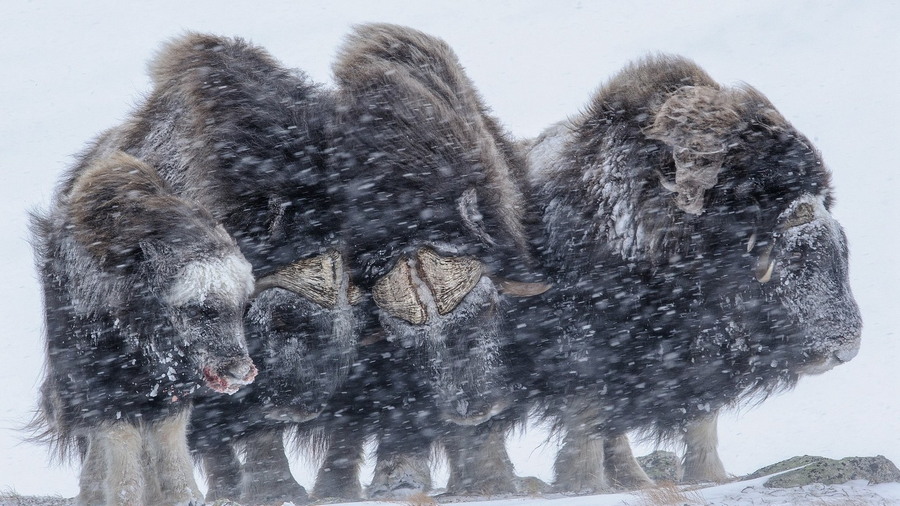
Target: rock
[(784, 465), (661, 466), (530, 485), (828, 471)]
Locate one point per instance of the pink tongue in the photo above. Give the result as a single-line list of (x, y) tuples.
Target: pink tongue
[(222, 385), (217, 383)]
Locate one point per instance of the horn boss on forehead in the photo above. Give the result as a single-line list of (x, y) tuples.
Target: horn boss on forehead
[(447, 279), (318, 278), (697, 122)]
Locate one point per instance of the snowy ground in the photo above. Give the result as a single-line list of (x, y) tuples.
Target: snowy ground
[(71, 69), (854, 493)]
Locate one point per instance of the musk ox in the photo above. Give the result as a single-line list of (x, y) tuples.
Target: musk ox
[(231, 129), (686, 227), (433, 227), (144, 295), (250, 138)]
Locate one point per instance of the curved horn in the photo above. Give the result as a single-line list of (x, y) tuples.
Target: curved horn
[(765, 266), (395, 293), (520, 288), (697, 122), (317, 278), (450, 278)]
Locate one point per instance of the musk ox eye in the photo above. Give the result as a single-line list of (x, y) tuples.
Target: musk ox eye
[(198, 312)]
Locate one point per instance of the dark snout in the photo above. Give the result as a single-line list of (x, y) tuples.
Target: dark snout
[(306, 351)]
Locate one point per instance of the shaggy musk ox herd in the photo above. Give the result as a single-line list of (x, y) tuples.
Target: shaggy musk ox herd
[(380, 261)]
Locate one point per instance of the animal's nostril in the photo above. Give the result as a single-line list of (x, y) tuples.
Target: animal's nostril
[(846, 355), (242, 371)]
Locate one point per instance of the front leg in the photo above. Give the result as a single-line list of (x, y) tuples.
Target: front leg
[(223, 471), (173, 471), (338, 478), (401, 468), (701, 455), (93, 470), (267, 474), (622, 469), (579, 465), (117, 461), (478, 461)]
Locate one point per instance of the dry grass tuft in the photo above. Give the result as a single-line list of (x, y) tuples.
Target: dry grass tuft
[(668, 494), (420, 499)]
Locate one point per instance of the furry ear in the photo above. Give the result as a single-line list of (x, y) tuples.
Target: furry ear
[(698, 123)]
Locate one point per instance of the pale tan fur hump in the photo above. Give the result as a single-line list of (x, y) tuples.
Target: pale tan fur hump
[(647, 82), (196, 51), (416, 65), (372, 49), (118, 202)]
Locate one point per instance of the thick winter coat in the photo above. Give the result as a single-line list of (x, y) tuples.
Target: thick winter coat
[(232, 130), (687, 229), (144, 295), (434, 229)]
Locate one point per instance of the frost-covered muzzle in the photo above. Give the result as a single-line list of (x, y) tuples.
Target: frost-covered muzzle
[(809, 276), (208, 299), (229, 375)]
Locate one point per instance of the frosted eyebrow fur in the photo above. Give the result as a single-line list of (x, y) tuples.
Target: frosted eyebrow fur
[(230, 278)]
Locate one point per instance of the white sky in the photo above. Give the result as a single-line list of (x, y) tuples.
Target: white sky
[(70, 69)]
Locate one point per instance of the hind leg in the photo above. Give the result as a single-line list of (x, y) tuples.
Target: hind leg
[(267, 474), (701, 456), (622, 469)]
